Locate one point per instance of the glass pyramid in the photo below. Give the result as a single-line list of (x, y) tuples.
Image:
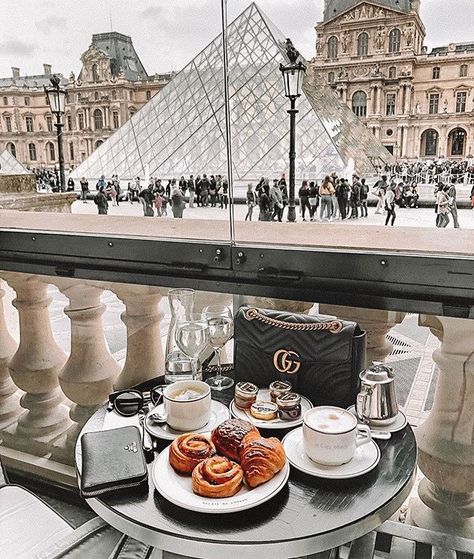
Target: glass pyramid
[(181, 130), (9, 165)]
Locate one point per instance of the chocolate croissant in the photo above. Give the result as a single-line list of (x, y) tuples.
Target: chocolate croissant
[(261, 458), (188, 450), (217, 477), (228, 436)]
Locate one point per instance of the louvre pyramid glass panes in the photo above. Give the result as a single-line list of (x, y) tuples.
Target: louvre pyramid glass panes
[(181, 130), (9, 165)]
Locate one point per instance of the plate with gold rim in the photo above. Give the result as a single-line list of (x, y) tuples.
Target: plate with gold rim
[(178, 490)]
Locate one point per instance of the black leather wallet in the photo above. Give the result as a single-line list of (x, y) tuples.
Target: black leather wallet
[(111, 460)]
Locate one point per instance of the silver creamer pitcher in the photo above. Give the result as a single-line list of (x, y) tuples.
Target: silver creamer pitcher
[(376, 402)]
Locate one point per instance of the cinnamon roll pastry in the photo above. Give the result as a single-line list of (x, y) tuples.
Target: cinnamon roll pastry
[(217, 477), (188, 450), (261, 458), (229, 434)]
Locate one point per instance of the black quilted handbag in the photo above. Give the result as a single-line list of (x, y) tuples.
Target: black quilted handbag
[(322, 357)]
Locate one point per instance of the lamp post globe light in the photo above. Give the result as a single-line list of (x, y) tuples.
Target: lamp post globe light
[(293, 74), (56, 96)]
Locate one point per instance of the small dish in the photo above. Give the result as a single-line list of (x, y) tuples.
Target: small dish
[(219, 413), (365, 459), (397, 425), (264, 395)]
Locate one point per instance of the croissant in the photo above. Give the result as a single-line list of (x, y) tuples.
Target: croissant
[(188, 450), (229, 434), (261, 458), (217, 477)]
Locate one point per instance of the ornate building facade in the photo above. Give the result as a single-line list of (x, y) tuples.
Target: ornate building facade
[(420, 104), (111, 86)]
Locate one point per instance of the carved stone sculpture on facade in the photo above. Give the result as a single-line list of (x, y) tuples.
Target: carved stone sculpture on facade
[(380, 38), (346, 40), (409, 33)]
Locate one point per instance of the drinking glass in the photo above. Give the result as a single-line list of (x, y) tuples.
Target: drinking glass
[(192, 337), (221, 330)]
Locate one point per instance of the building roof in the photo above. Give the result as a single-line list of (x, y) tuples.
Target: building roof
[(459, 48), (180, 130), (30, 82), (333, 8), (119, 48)]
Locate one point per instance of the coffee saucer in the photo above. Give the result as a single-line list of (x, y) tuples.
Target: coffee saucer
[(219, 413), (397, 425), (365, 459)]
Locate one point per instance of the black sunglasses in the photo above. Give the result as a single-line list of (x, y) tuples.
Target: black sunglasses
[(130, 402)]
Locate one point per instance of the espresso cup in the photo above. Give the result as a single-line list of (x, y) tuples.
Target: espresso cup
[(331, 435), (187, 405)]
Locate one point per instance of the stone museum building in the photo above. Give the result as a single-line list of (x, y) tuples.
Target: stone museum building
[(419, 103), (111, 86)]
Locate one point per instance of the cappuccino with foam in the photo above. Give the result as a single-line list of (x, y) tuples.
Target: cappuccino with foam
[(331, 420), (331, 435)]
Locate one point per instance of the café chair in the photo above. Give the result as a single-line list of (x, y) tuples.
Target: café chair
[(394, 540), (31, 529)]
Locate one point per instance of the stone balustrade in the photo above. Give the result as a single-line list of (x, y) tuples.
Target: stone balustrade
[(47, 394)]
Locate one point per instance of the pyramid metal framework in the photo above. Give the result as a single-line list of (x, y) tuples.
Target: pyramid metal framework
[(181, 130), (9, 165)]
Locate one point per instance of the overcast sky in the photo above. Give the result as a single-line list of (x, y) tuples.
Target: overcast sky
[(169, 33)]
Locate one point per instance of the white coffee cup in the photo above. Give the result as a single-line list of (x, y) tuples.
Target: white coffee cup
[(331, 435), (187, 405)]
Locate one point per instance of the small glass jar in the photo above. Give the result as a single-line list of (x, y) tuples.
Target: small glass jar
[(279, 387), (289, 406), (245, 395)]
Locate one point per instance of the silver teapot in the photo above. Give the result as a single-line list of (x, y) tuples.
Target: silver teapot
[(376, 402)]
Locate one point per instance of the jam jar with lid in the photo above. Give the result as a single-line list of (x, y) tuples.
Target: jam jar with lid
[(279, 387), (289, 406), (245, 395)]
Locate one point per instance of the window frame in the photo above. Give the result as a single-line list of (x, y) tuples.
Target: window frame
[(32, 152), (333, 47), (394, 41), (51, 151), (29, 124), (433, 107), (8, 123), (461, 101), (363, 47), (97, 121), (391, 106), (463, 70), (359, 110), (436, 73)]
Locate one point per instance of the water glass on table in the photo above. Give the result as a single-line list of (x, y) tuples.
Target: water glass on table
[(221, 329), (192, 337)]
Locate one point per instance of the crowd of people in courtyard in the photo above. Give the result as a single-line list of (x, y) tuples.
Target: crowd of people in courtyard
[(334, 198)]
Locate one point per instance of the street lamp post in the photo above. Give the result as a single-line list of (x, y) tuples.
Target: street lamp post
[(293, 74), (56, 99)]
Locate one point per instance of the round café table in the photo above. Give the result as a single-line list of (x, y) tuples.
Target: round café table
[(308, 516)]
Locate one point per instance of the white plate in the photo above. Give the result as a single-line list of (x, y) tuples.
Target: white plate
[(178, 490), (219, 413), (365, 459), (264, 395), (399, 423)]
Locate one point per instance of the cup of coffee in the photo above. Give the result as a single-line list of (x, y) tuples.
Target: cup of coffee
[(187, 404), (331, 435)]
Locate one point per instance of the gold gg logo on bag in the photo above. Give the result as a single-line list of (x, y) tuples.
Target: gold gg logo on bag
[(284, 362)]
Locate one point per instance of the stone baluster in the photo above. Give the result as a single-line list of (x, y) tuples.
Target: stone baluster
[(34, 368), (9, 395), (142, 318), (88, 375), (445, 501), (377, 324)]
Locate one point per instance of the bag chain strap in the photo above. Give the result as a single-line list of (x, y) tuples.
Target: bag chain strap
[(334, 326)]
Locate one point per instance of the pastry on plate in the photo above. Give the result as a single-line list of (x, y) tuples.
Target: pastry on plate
[(217, 477), (260, 458), (188, 450), (229, 434)]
